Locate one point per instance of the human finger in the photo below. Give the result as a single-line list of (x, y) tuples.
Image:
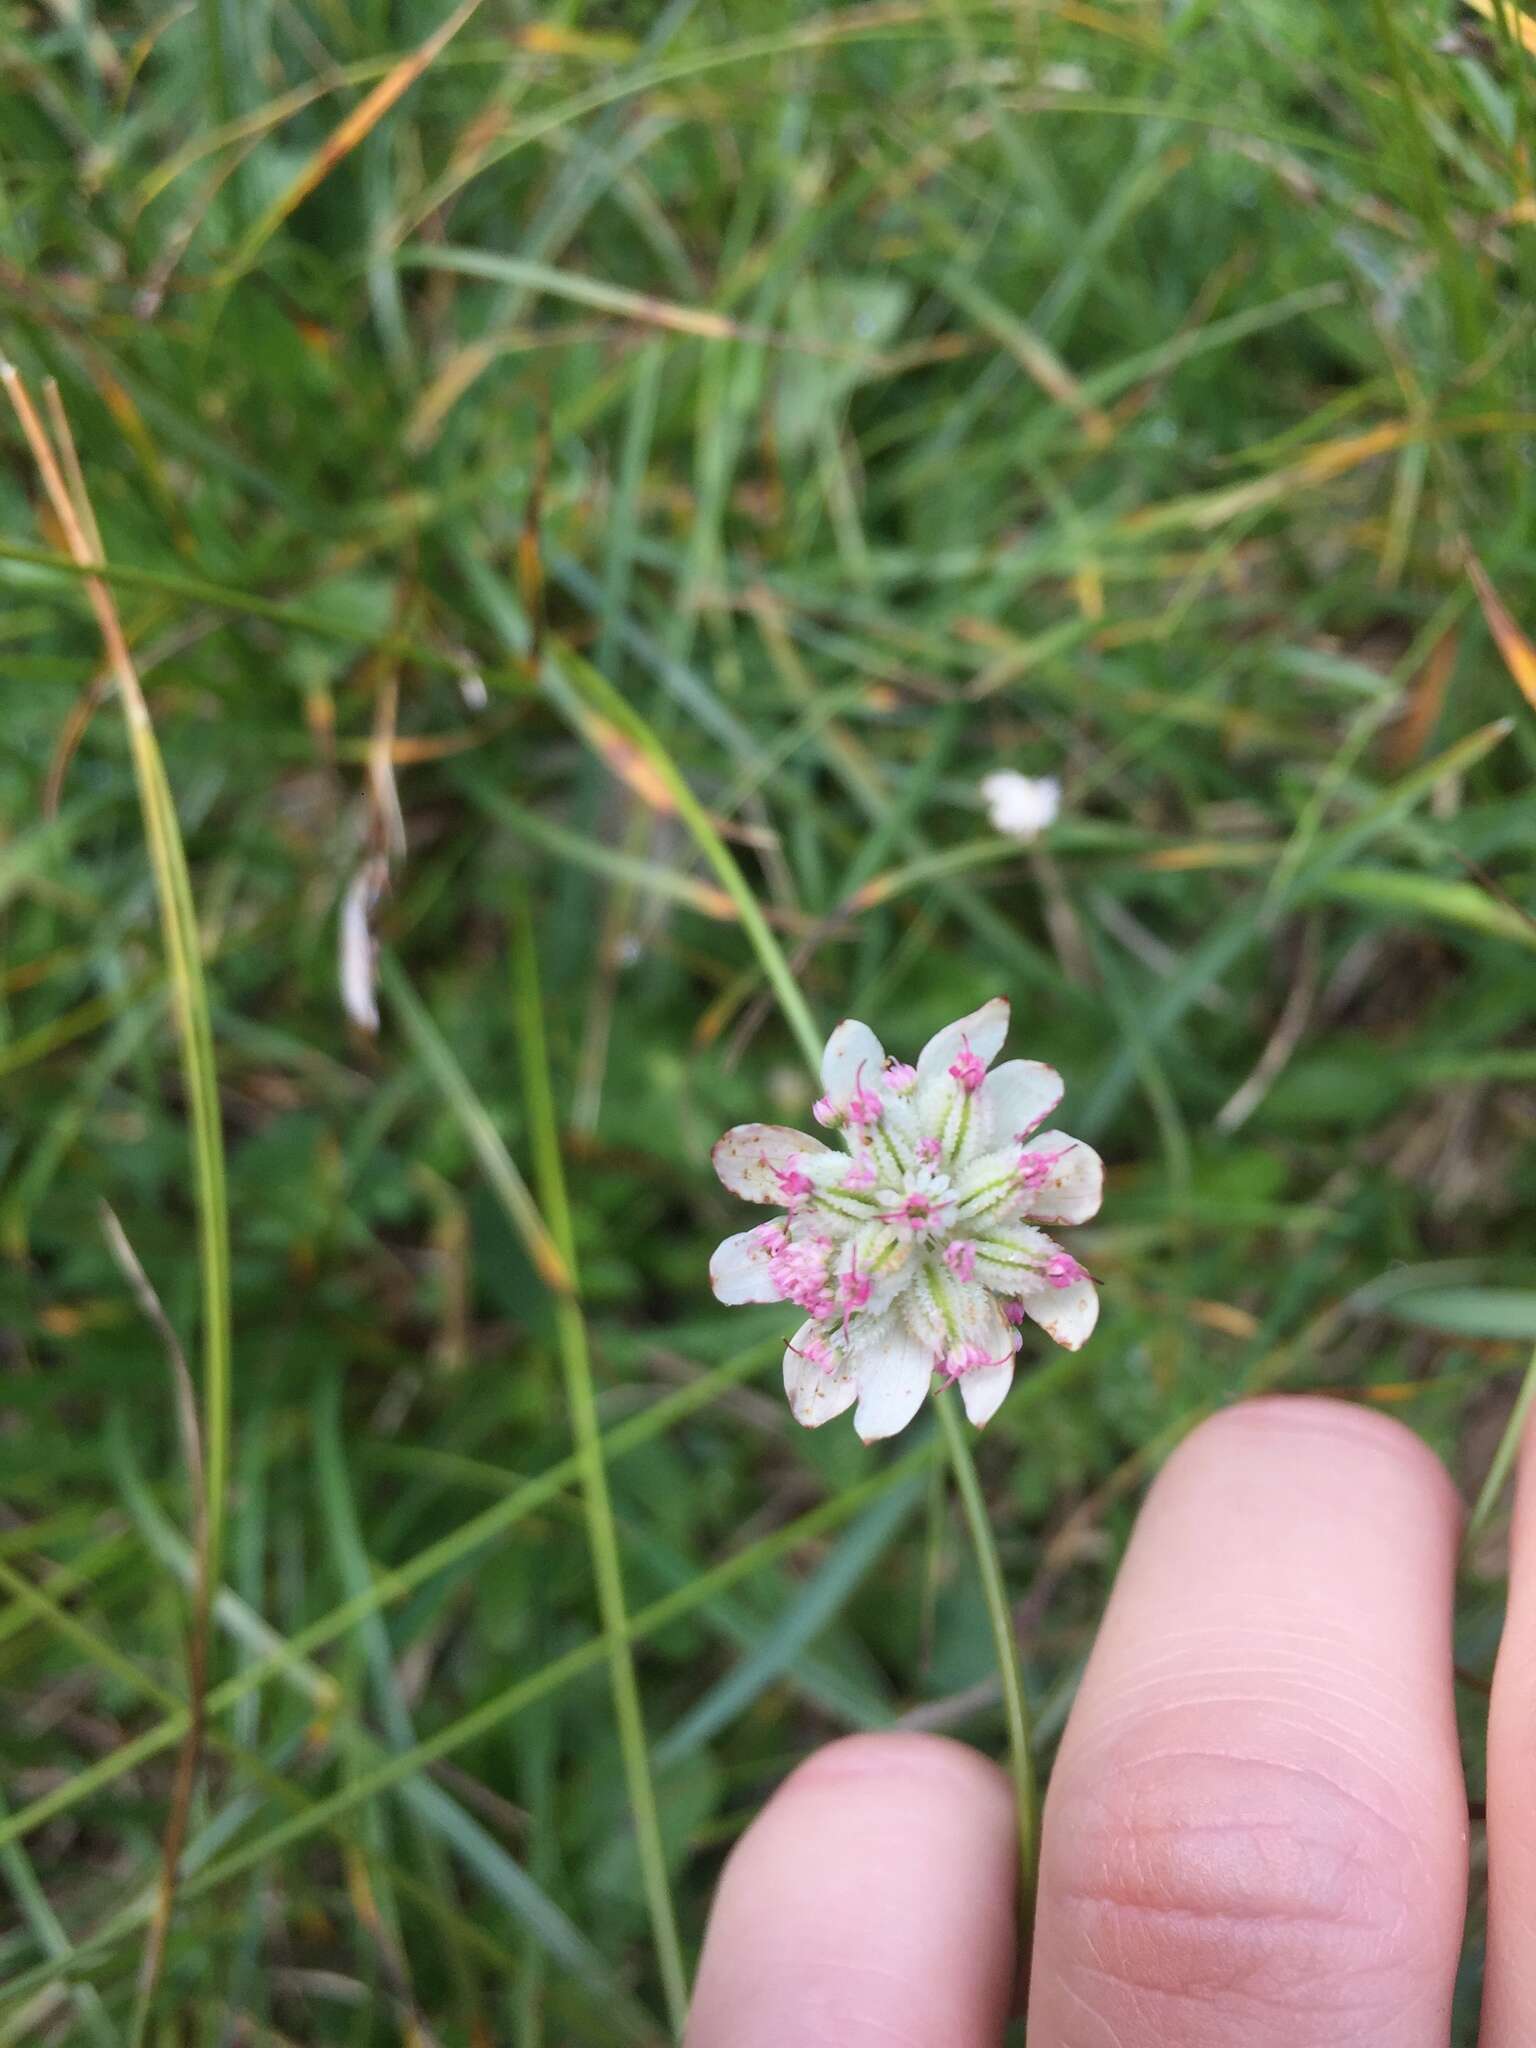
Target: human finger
[(871, 1903), (1509, 1973), (1256, 1829)]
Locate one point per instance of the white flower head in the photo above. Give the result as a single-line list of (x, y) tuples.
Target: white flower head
[(1022, 806), (918, 1249)]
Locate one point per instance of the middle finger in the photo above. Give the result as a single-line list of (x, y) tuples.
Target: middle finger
[(1256, 1830)]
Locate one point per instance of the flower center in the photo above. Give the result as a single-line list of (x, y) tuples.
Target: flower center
[(923, 1206)]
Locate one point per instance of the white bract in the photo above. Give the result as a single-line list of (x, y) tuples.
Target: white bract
[(918, 1249), (1022, 806)]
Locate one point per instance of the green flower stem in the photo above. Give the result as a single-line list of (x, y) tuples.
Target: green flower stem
[(578, 691), (1005, 1642), (1503, 1458)]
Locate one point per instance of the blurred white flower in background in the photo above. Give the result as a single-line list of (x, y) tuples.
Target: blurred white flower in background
[(357, 949), (1022, 806)]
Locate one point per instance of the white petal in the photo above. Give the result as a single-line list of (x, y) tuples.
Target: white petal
[(1066, 1314), (983, 1032), (1073, 1188), (816, 1394), (1017, 1096), (852, 1051), (894, 1373), (981, 1322), (738, 1272), (746, 1158), (982, 1391)]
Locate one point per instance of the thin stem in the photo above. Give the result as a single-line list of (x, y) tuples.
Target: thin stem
[(207, 1449), (586, 691), (602, 1534), (1021, 1763), (1503, 1458), (57, 470)]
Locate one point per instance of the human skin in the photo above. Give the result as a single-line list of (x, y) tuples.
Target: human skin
[(1256, 1829)]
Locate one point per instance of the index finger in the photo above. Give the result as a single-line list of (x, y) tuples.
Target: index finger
[(870, 1905)]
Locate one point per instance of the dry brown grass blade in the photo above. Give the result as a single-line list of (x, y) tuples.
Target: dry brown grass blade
[(1287, 1035), (59, 471), (1518, 651), (71, 733), (64, 441), (80, 536), (530, 555), (346, 136), (189, 1759), (1407, 739), (95, 692)]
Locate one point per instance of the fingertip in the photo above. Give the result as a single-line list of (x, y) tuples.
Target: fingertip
[(1509, 1984), (1256, 1827), (1325, 1431), (871, 1901), (908, 1762)]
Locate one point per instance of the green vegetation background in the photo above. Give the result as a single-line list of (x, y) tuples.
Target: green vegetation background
[(873, 397)]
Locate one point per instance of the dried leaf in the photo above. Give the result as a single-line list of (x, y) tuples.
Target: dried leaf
[(631, 764), (1518, 652), (1410, 735)]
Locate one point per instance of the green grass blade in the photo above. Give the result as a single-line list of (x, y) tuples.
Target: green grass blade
[(388, 1586), (492, 1713), (602, 1535), (1504, 1456), (576, 689), (818, 1601), (486, 1141)]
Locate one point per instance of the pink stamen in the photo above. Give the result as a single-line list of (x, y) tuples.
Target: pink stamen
[(960, 1258), (930, 1149), (969, 1071), (1062, 1270), (773, 1237), (817, 1352), (864, 1105), (855, 1289), (825, 1110), (800, 1273), (1035, 1168), (1014, 1311), (792, 1182), (860, 1175), (967, 1358), (899, 1077)]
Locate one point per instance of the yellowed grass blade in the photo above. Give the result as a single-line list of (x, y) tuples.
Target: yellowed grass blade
[(1518, 652)]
